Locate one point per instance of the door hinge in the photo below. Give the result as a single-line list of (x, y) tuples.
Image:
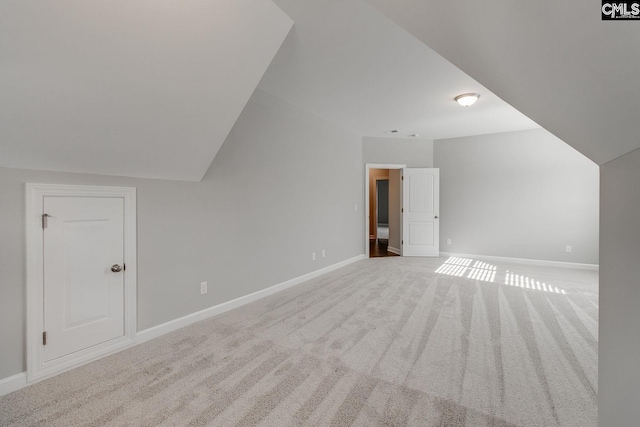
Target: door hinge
[(44, 338), (44, 220), (402, 242), (402, 178), (402, 210), (124, 266)]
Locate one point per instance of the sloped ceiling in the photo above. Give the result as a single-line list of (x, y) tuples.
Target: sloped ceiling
[(129, 87), (346, 62), (555, 61), (152, 88)]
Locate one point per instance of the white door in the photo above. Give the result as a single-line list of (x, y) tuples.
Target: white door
[(83, 260), (420, 212)]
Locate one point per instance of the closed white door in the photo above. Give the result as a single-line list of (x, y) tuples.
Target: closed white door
[(420, 212), (83, 254)]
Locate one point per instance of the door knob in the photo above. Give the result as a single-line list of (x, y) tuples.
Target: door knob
[(116, 268)]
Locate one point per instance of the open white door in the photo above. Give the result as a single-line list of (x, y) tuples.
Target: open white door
[(420, 211)]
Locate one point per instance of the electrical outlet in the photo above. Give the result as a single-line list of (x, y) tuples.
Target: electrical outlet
[(313, 256), (355, 207), (568, 249), (448, 241), (323, 253), (203, 288)]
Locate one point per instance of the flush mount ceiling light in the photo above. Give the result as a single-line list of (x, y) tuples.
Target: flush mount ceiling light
[(467, 99)]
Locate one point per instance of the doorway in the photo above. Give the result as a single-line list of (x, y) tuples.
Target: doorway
[(81, 275), (383, 210), (379, 242), (414, 194)]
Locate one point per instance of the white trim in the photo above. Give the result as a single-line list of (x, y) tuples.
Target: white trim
[(181, 322), (539, 262), (13, 383), (367, 167), (393, 250), (37, 368), (18, 381)]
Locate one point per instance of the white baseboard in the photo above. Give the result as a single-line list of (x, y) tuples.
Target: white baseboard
[(13, 383), (18, 381), (393, 250), (539, 262), (173, 325)]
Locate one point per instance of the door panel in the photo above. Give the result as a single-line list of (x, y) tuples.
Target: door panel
[(421, 235), (83, 298), (420, 192)]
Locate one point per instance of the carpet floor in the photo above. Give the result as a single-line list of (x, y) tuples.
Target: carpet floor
[(381, 342)]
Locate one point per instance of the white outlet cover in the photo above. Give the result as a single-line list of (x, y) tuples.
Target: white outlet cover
[(203, 288), (313, 256)]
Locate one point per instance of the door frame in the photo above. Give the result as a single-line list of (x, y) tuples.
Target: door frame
[(37, 369), (367, 168)]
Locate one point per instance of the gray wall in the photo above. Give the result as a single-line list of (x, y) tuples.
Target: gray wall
[(619, 346), (265, 204), (518, 194), (415, 153)]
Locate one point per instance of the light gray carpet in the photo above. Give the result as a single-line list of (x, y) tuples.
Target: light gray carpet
[(385, 341)]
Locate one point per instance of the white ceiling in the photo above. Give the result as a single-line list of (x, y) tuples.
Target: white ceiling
[(129, 87), (556, 61), (346, 62), (151, 89)]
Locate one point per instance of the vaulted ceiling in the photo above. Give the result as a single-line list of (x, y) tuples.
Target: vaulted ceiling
[(151, 89), (129, 87), (346, 62), (556, 61)]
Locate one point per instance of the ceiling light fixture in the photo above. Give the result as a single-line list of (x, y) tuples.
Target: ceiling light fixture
[(467, 99)]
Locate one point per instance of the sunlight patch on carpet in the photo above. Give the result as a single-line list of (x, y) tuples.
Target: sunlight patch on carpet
[(485, 272)]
